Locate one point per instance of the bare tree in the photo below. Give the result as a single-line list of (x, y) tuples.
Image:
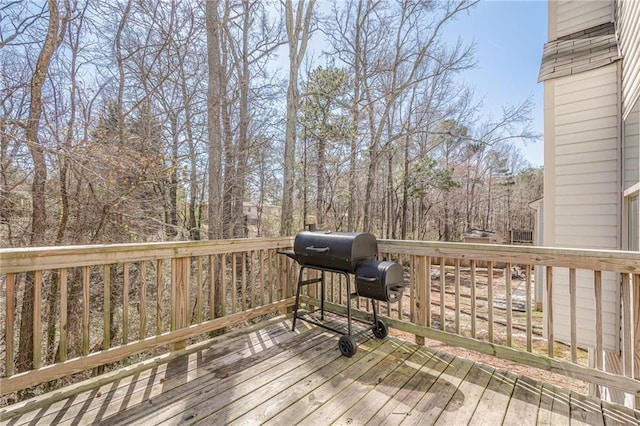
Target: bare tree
[(214, 110), (16, 17), (54, 37), (298, 32)]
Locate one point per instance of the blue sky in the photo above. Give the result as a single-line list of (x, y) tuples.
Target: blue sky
[(509, 37)]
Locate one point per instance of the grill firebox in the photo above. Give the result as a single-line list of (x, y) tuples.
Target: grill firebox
[(347, 253)]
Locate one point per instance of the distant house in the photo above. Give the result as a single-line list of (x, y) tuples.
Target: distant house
[(260, 219), (591, 74)]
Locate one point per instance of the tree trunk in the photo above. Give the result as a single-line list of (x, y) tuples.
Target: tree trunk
[(405, 190), (355, 116), (242, 153), (298, 35), (320, 170), (214, 96), (55, 34)]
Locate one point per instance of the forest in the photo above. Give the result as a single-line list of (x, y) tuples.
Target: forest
[(140, 120)]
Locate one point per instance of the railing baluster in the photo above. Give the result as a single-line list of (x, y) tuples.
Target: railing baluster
[(243, 280), (597, 289), (200, 292), (442, 293), (456, 288), (573, 311), (234, 283), (400, 302), (212, 286), (142, 307), (10, 302), (37, 319), (549, 308), (388, 257), (508, 297), (472, 278), (331, 288), (125, 303), (627, 349), (86, 276), (528, 309), (490, 299), (64, 280), (159, 301), (252, 281), (636, 331), (106, 310), (413, 288), (223, 284), (273, 268), (420, 264), (427, 299), (262, 281)]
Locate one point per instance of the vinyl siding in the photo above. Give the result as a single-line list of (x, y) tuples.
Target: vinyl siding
[(586, 194), (577, 15), (628, 26), (585, 308), (632, 148)]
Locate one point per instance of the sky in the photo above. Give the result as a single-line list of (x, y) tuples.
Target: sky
[(509, 37)]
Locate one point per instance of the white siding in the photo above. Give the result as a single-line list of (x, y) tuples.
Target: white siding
[(629, 36), (632, 148), (586, 312), (577, 15), (586, 194)]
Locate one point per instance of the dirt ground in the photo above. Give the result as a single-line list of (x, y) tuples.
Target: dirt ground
[(518, 289)]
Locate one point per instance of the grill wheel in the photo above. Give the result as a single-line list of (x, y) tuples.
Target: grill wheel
[(380, 330), (347, 345)]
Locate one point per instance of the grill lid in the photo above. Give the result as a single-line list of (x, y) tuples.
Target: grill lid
[(334, 250), (380, 280)]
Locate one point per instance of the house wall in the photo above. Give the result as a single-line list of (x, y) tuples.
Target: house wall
[(582, 196), (628, 28), (576, 15), (586, 135), (631, 173)]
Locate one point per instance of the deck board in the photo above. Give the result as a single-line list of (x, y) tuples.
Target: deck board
[(274, 376), (495, 399), (400, 407), (433, 403)]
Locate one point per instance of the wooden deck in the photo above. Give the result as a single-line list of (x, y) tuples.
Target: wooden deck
[(273, 376)]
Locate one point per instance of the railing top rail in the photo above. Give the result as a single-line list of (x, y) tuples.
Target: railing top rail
[(14, 260), (602, 260)]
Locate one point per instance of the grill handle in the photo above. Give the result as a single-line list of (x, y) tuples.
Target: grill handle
[(318, 249), (367, 279)]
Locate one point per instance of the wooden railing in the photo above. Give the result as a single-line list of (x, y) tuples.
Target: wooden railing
[(477, 307), (123, 300), (142, 297)]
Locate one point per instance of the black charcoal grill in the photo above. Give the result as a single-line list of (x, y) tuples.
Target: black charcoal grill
[(347, 253)]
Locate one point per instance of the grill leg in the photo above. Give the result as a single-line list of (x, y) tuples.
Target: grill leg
[(375, 315), (348, 304), (322, 295), (297, 304)]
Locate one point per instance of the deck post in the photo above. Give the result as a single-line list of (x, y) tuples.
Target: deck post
[(180, 272)]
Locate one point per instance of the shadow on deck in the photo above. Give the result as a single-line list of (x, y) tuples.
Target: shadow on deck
[(271, 375)]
